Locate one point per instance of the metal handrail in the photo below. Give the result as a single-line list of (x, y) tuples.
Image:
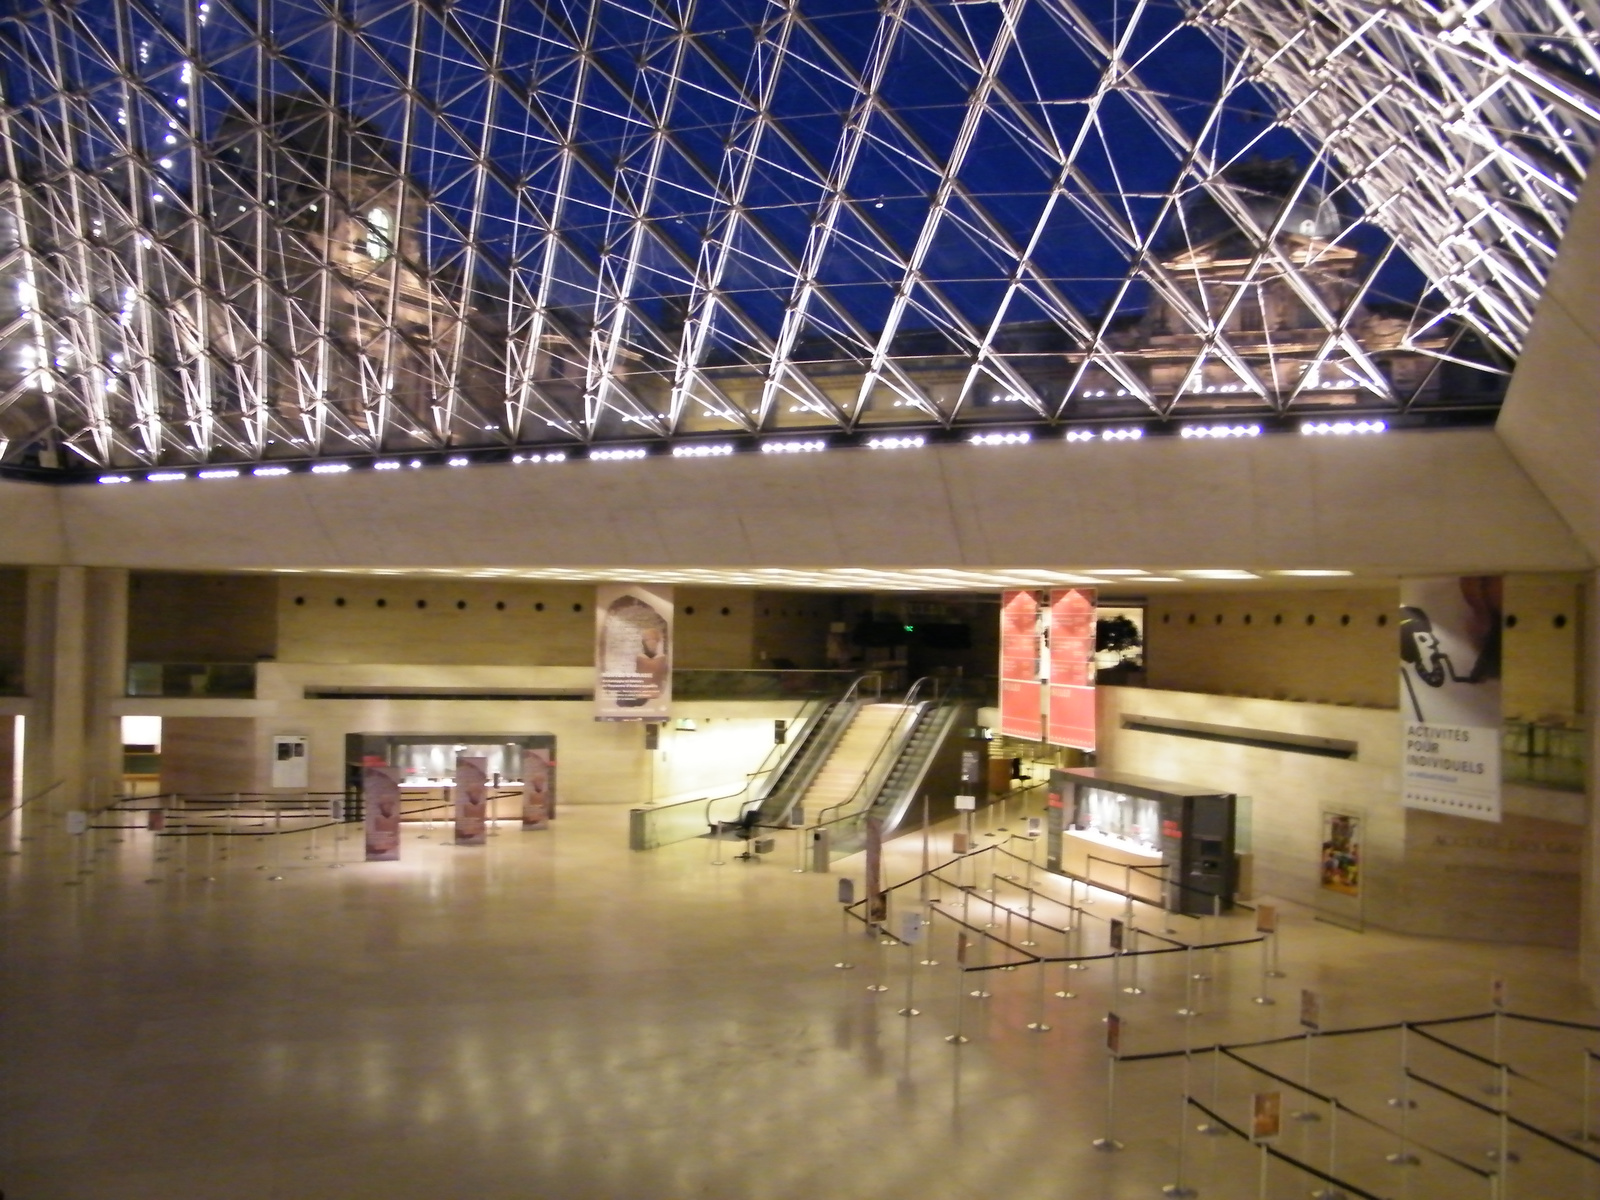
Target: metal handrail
[(23, 803), (829, 737), (888, 739)]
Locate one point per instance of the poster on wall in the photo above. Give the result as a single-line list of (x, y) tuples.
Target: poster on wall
[(1071, 699), (632, 652), (1341, 853), (1450, 695), (290, 766), (380, 795), (471, 800), (1020, 665), (538, 788)]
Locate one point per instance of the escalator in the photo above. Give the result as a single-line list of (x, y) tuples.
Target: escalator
[(915, 753)]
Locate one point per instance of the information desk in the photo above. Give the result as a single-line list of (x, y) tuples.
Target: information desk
[(1105, 860), (1098, 822)]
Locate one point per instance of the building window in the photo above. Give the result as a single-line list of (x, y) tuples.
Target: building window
[(380, 234)]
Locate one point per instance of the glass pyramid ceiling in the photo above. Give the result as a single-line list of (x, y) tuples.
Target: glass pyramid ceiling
[(240, 230)]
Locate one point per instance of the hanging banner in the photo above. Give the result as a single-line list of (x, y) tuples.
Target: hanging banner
[(1450, 695), (877, 898), (471, 800), (538, 788), (632, 652), (1020, 665), (1071, 699), (380, 797)]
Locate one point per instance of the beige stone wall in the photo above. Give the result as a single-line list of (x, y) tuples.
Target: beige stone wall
[(363, 619), (209, 755), (1542, 647), (181, 617), (1339, 646), (1425, 873), (1327, 647)]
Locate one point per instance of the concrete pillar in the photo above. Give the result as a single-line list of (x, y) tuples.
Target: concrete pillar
[(76, 660)]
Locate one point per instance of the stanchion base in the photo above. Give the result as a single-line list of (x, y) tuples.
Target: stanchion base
[(1207, 1129), (1190, 1012), (956, 1039), (1027, 943), (334, 866), (1306, 1116), (274, 878), (877, 987), (1063, 994), (1133, 989), (1401, 1158), (1106, 1144), (1178, 1190), (927, 962), (1494, 1156), (1277, 974), (1077, 966), (76, 882), (980, 994), (147, 881), (1397, 1102), (909, 1012), (844, 966), (1200, 977), (1262, 1000), (1328, 1193), (1038, 1027), (1009, 967)]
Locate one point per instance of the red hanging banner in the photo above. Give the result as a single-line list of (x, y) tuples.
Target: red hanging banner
[(1020, 665), (1072, 628)]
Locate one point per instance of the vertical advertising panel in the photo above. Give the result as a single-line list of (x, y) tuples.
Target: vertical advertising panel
[(471, 800), (1071, 707), (632, 652), (538, 788), (1450, 695), (1020, 665), (380, 796)]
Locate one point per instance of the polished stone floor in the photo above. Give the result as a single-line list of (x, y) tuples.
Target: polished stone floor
[(550, 1015)]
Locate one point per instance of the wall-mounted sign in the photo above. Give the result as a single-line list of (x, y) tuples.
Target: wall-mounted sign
[(1341, 853), (633, 652), (290, 761), (1450, 695)]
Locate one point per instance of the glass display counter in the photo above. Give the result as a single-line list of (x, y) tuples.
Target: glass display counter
[(1167, 843)]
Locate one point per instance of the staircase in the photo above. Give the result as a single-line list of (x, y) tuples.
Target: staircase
[(855, 754)]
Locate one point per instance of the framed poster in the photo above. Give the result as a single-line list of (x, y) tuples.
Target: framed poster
[(1340, 869)]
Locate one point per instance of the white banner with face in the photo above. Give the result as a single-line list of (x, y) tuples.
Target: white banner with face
[(471, 800), (632, 652), (1450, 695)]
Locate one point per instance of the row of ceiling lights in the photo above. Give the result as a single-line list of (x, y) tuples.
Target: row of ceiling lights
[(772, 446)]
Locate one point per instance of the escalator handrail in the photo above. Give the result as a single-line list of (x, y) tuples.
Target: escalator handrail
[(827, 733), (889, 738)]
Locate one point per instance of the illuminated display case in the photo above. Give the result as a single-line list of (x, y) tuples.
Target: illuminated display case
[(1166, 842)]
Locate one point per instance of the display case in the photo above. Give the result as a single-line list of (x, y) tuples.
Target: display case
[(1167, 843), (427, 761)]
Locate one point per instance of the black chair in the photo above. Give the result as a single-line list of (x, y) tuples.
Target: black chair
[(746, 829)]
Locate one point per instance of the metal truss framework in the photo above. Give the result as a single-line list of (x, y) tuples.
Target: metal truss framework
[(240, 230)]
